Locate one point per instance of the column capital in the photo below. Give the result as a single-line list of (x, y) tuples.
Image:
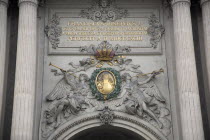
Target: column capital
[(202, 2), (35, 2), (179, 1), (4, 2)]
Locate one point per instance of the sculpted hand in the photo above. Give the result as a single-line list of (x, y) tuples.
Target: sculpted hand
[(63, 71)]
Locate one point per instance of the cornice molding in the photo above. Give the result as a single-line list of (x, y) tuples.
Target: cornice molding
[(173, 2), (202, 2)]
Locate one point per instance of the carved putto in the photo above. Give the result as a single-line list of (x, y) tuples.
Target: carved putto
[(122, 87), (104, 10), (67, 98)]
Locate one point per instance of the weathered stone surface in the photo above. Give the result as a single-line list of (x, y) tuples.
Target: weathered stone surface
[(3, 33), (205, 4), (190, 111), (141, 29), (24, 94)]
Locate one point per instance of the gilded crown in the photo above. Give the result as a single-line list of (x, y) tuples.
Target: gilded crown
[(105, 52)]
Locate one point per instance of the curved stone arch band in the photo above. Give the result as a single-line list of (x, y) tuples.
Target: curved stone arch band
[(122, 120)]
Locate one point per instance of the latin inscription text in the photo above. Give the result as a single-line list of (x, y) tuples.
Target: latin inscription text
[(97, 31)]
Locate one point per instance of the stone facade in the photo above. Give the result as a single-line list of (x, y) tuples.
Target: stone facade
[(137, 66)]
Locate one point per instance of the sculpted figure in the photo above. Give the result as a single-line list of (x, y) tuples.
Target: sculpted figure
[(125, 65), (135, 101), (68, 97), (126, 77), (84, 65)]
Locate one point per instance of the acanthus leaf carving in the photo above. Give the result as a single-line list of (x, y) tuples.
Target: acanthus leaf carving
[(106, 116), (116, 50), (155, 30), (53, 31), (104, 10)]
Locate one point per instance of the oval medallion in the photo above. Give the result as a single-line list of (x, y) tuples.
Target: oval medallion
[(105, 82)]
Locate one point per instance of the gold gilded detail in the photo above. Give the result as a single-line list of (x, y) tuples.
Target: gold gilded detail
[(62, 70), (154, 72), (105, 82), (110, 63), (105, 52), (100, 64)]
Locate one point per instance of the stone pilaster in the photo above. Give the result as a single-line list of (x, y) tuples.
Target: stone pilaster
[(3, 34), (205, 5), (25, 77), (190, 111)]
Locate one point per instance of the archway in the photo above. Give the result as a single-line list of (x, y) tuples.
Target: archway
[(81, 125), (107, 133)]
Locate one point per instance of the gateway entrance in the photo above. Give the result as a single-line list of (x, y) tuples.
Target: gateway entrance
[(107, 133)]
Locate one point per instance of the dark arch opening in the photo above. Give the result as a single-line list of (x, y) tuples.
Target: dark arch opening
[(107, 133)]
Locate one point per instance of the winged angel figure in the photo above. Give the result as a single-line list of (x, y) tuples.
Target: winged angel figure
[(67, 98), (143, 98)]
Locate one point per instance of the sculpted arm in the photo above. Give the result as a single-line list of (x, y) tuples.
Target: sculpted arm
[(147, 80), (56, 73)]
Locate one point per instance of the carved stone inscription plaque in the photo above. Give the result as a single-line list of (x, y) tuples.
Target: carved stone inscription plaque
[(69, 29)]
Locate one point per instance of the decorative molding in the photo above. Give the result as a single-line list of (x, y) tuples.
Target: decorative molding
[(104, 10), (173, 2), (139, 124), (53, 31), (116, 50), (106, 116), (69, 44), (155, 30), (35, 2), (75, 124), (118, 117)]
